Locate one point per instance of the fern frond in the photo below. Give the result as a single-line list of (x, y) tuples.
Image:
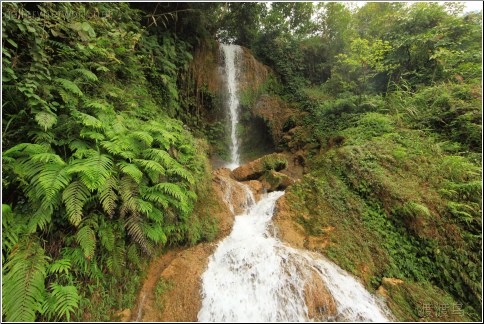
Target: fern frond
[(150, 166), (40, 219), (108, 196), (46, 119), (61, 302), (156, 197), (106, 236), (133, 255), (160, 156), (26, 149), (94, 170), (74, 197), (23, 281), (86, 238), (89, 121), (86, 74), (10, 229), (156, 215), (131, 170), (69, 86), (181, 172), (98, 105), (134, 227), (143, 207), (171, 189), (116, 259), (92, 135), (60, 266), (142, 136), (128, 190), (155, 233), (48, 183), (47, 158)]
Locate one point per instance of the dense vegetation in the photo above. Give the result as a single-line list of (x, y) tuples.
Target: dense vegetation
[(96, 172), (390, 98), (101, 168)]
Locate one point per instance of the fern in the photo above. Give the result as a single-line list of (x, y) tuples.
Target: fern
[(135, 228), (116, 259), (60, 266), (40, 219), (133, 255), (156, 196), (108, 196), (150, 166), (46, 119), (69, 86), (131, 170), (89, 121), (87, 240), (181, 172), (94, 170), (48, 183), (145, 137), (106, 236), (92, 135), (10, 229), (171, 189), (61, 302), (74, 197), (86, 74), (23, 281)]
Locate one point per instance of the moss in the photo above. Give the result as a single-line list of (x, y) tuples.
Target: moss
[(274, 162), (387, 192)]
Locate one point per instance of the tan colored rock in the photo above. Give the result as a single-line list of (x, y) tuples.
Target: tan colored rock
[(253, 170), (288, 230), (123, 316), (382, 292), (320, 302), (388, 282), (256, 187)]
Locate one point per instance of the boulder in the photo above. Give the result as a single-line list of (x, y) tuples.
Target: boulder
[(273, 180), (255, 169)]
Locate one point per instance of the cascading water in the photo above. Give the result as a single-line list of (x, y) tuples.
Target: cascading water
[(232, 56), (253, 276)]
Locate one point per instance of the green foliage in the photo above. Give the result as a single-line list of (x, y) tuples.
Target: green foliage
[(163, 286), (94, 166), (23, 284), (275, 162)]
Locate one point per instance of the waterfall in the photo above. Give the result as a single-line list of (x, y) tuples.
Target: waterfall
[(232, 57), (253, 276)]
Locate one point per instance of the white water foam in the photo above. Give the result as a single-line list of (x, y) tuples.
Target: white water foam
[(253, 276)]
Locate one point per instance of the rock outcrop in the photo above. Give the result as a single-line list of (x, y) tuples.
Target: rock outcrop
[(255, 169), (320, 302)]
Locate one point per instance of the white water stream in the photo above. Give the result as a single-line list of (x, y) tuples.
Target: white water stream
[(253, 276), (232, 56)]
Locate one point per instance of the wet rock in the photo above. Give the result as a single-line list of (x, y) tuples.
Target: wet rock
[(255, 169), (256, 187), (320, 302)]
